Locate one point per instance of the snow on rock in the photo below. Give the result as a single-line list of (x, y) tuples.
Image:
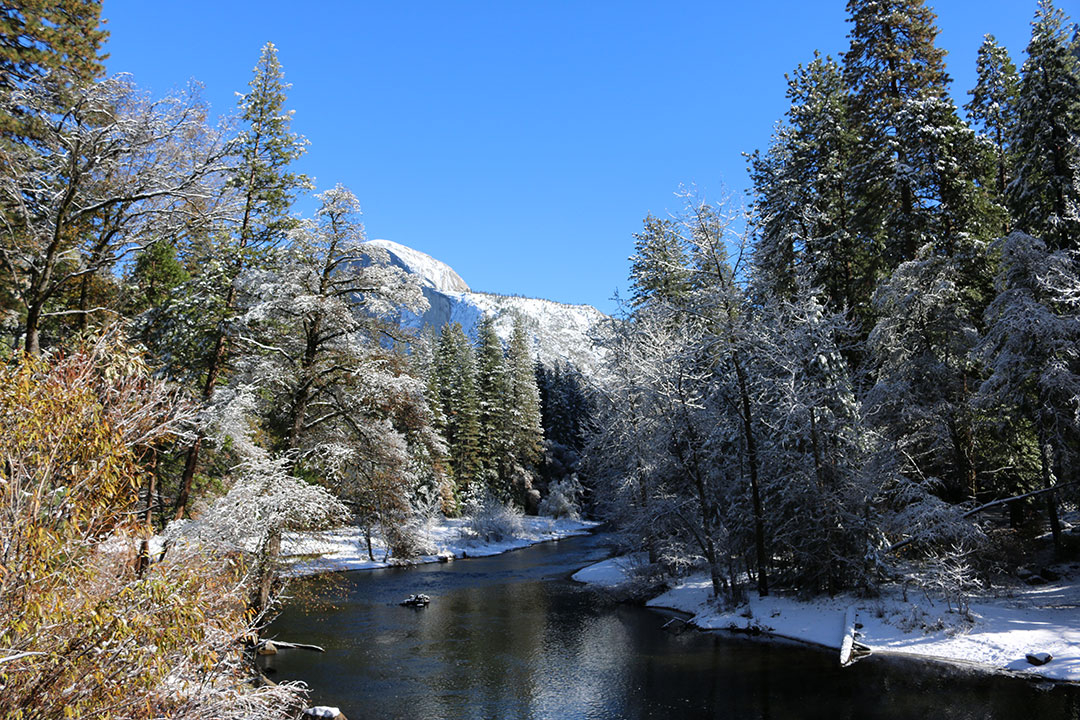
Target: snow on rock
[(346, 548), (323, 711), (1000, 636), (558, 332)]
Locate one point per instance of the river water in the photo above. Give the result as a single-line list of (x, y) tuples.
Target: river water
[(512, 637)]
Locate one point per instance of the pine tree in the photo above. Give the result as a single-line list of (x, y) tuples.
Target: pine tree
[(993, 108), (920, 350), (658, 266), (1032, 350), (892, 62), (527, 433), (801, 205), (494, 392), (455, 372), (156, 273), (1044, 196), (45, 37), (264, 188)]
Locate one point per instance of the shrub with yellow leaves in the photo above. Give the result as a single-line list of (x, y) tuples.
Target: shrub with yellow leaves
[(85, 629)]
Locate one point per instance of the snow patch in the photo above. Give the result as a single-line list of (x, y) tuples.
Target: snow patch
[(608, 573), (346, 548), (999, 636)]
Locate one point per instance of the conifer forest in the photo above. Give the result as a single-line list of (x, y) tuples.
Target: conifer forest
[(866, 375)]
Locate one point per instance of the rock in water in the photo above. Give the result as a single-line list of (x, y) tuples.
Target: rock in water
[(416, 601), (1039, 658), (266, 648), (324, 711)]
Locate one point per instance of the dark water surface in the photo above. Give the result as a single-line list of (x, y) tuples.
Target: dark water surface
[(512, 637)]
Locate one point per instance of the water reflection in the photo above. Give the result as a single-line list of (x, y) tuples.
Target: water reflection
[(510, 637)]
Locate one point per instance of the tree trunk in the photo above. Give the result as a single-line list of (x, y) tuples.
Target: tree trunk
[(752, 461), (33, 329), (303, 393), (190, 461), (266, 567), (1051, 502), (142, 562), (217, 362)]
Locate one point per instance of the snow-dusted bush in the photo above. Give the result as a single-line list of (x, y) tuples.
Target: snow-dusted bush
[(490, 520), (563, 499), (410, 540), (264, 498)]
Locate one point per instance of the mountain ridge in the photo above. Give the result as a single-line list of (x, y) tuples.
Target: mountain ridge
[(558, 331)]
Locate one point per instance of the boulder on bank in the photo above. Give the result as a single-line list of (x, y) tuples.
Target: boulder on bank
[(532, 501), (1049, 574), (1039, 658)]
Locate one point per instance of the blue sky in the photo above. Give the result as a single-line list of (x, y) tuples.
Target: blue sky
[(523, 143)]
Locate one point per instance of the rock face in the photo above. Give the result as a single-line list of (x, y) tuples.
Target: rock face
[(432, 273), (558, 332)]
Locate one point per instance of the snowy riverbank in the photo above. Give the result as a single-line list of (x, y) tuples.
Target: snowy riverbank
[(346, 548), (1025, 620)]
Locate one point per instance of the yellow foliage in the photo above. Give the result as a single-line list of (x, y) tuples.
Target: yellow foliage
[(83, 633)]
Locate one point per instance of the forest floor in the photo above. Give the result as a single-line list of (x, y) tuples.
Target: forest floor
[(1002, 626), (449, 538)]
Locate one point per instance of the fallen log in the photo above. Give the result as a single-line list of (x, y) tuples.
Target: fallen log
[(278, 644), (850, 648), (987, 506)]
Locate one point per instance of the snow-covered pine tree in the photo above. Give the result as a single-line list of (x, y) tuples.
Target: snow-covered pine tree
[(567, 413), (455, 373), (526, 430), (495, 399), (892, 61), (264, 189), (1044, 195), (1032, 350), (801, 200), (814, 445), (658, 266), (993, 109), (920, 352)]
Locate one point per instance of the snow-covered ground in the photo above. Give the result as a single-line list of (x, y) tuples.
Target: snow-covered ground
[(346, 548), (1030, 620)]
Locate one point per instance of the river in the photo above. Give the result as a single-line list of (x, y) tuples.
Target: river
[(511, 636)]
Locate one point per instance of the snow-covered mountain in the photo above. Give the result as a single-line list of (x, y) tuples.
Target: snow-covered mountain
[(558, 331)]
